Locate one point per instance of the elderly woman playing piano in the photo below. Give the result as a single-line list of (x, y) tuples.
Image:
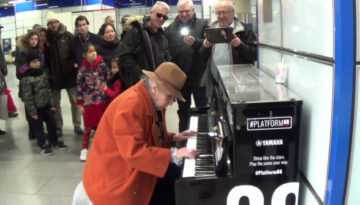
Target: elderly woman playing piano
[(130, 161)]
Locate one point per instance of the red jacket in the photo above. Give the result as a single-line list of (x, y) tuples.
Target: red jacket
[(125, 158), (115, 91)]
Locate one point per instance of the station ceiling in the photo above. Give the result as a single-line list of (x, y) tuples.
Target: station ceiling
[(5, 3)]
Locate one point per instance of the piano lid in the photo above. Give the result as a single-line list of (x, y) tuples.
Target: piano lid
[(248, 84)]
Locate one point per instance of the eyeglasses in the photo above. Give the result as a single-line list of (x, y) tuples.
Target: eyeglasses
[(164, 17), (218, 13), (184, 11)]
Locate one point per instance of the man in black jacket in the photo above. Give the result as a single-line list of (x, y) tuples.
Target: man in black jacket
[(242, 48), (145, 45), (83, 36), (243, 45), (61, 74), (185, 36)]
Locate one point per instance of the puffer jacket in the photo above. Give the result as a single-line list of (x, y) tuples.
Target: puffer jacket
[(61, 73), (137, 51), (35, 88)]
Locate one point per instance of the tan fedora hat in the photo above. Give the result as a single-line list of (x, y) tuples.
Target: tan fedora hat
[(170, 77)]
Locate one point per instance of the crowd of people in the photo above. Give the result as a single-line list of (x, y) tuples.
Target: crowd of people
[(121, 87)]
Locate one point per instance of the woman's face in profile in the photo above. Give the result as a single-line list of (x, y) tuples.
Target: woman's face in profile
[(109, 34)]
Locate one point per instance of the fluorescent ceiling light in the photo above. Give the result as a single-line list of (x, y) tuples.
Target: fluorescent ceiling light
[(37, 5), (17, 1)]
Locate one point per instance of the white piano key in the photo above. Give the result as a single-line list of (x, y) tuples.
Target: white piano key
[(189, 164)]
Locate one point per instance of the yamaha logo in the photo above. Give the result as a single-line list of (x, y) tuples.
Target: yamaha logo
[(269, 123), (274, 142), (258, 143)]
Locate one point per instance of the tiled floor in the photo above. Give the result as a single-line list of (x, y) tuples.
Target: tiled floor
[(29, 178)]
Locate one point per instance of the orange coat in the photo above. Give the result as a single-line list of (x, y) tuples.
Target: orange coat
[(125, 158)]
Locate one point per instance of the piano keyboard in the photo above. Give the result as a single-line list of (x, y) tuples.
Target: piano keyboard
[(203, 165)]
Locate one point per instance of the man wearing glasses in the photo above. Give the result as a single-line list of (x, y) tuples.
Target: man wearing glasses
[(243, 45), (145, 45), (186, 36)]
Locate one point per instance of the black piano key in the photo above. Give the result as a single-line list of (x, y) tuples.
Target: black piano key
[(204, 163)]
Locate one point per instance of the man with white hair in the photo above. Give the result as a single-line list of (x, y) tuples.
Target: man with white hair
[(130, 161), (145, 45), (185, 36), (240, 50), (243, 45)]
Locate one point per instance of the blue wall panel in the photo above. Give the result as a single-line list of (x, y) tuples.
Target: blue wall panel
[(92, 2), (109, 2), (126, 3), (9, 11), (26, 6), (62, 3), (343, 101)]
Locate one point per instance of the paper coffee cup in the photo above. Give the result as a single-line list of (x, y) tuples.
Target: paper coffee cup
[(282, 92), (281, 73)]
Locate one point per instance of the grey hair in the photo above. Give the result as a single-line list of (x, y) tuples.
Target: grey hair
[(229, 3), (182, 2), (160, 4), (148, 83), (107, 18)]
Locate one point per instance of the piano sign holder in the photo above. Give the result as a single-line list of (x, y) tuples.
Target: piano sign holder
[(259, 123)]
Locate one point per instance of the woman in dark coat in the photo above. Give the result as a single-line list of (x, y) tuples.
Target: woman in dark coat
[(29, 43), (109, 45)]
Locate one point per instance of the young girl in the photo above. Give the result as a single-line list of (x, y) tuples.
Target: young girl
[(25, 45), (91, 99), (113, 86)]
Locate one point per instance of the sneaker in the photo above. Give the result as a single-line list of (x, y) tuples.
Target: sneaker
[(78, 130), (46, 150), (83, 154), (60, 145)]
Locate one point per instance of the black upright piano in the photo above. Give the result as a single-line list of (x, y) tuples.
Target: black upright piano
[(249, 154)]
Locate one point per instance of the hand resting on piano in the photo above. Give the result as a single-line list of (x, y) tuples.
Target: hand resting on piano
[(186, 153), (184, 135)]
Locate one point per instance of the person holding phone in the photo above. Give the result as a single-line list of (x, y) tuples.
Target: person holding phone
[(240, 50), (243, 45), (185, 36)]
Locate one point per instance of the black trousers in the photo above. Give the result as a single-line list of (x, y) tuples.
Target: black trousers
[(45, 115), (164, 192), (199, 94), (28, 119)]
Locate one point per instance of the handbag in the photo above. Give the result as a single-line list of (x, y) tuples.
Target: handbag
[(3, 107)]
